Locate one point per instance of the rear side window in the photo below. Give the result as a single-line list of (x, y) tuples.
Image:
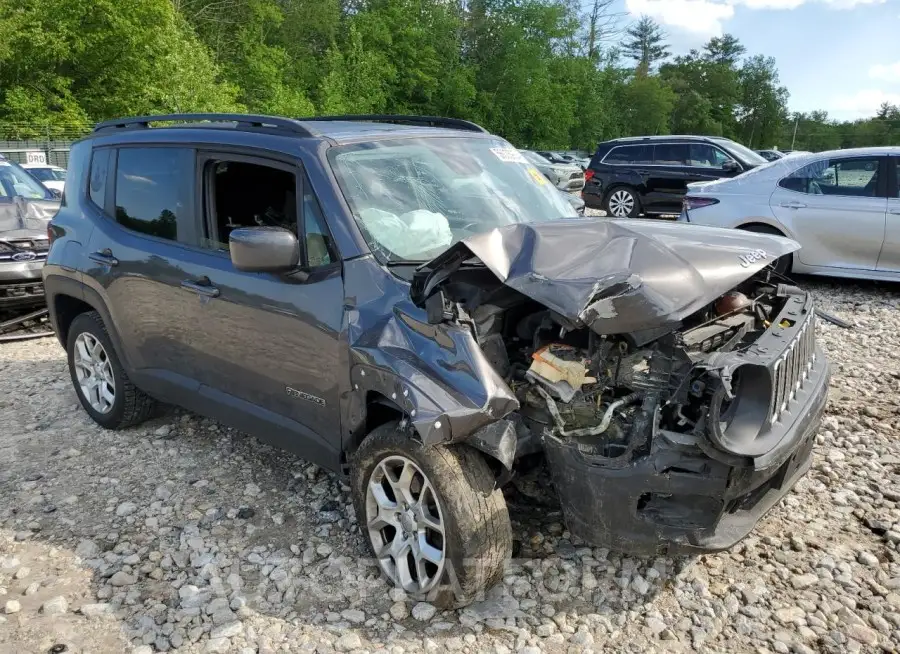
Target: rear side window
[(630, 154), (98, 177), (847, 177), (153, 188), (671, 154)]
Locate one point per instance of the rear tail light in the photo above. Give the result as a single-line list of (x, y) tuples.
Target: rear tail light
[(588, 174), (689, 203), (51, 233)]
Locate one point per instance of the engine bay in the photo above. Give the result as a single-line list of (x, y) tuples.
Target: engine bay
[(607, 395)]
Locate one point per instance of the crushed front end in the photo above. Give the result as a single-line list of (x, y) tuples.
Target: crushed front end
[(670, 382), (683, 443)]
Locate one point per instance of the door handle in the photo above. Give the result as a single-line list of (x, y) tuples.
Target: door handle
[(202, 286), (793, 205), (105, 257)]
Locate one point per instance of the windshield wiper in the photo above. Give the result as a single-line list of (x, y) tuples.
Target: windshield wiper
[(404, 262)]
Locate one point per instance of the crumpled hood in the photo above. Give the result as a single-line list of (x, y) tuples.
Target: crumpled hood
[(612, 276)]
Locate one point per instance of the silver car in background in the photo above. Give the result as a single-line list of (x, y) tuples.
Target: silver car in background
[(842, 207), (566, 177)]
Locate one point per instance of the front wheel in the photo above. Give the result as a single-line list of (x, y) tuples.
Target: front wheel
[(433, 516), (622, 202)]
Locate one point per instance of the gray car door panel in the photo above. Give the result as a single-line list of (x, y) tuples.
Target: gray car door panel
[(838, 227), (135, 273), (268, 341), (264, 345)]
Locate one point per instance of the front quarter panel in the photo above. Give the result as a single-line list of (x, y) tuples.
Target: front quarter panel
[(437, 375)]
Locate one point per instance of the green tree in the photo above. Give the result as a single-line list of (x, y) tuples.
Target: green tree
[(763, 105), (646, 44), (648, 104), (69, 62)]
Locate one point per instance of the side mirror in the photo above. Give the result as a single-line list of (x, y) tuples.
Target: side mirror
[(731, 166), (264, 249)]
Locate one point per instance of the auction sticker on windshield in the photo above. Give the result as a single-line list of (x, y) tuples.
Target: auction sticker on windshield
[(509, 155), (536, 175)]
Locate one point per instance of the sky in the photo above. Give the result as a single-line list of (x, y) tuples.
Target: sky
[(841, 56)]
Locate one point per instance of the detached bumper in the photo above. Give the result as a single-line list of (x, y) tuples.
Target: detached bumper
[(676, 501)]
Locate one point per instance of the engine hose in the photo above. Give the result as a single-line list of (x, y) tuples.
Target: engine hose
[(587, 431)]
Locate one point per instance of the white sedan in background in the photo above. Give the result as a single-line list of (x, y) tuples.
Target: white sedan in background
[(53, 177), (842, 207)]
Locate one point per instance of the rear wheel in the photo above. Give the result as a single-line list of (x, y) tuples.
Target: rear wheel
[(622, 202), (100, 381), (782, 265), (433, 516)]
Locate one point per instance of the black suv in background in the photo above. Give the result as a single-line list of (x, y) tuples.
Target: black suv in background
[(650, 174)]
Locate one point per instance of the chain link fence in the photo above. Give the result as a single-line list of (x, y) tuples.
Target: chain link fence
[(53, 153)]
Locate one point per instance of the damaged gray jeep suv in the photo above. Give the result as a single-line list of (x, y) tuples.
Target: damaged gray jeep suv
[(407, 301)]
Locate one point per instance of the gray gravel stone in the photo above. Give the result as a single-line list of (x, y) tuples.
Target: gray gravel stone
[(122, 578), (55, 606), (423, 611)]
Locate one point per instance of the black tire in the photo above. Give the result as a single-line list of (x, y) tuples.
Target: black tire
[(782, 265), (478, 535), (131, 406), (614, 193)]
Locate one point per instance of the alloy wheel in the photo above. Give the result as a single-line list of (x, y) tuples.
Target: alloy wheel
[(405, 524), (621, 203), (93, 370)]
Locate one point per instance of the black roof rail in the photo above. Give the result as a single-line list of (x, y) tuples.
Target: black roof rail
[(243, 121), (400, 119)]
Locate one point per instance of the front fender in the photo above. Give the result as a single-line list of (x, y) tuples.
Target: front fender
[(436, 375)]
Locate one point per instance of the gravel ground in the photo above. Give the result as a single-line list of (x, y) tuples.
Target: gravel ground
[(185, 535)]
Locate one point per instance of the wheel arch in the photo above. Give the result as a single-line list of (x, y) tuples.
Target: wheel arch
[(756, 222), (67, 299), (495, 441)]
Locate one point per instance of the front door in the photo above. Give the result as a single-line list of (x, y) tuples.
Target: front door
[(836, 209), (268, 345)]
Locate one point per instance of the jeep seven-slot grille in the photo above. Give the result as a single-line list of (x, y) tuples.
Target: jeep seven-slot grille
[(792, 368)]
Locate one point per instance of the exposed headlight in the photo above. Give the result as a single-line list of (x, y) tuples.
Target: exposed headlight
[(737, 422)]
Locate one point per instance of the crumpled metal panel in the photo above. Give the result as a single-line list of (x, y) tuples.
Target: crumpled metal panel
[(24, 218), (612, 276), (437, 374)]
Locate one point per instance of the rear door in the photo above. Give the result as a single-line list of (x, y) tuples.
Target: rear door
[(889, 259), (623, 165), (668, 177), (138, 256), (836, 209)]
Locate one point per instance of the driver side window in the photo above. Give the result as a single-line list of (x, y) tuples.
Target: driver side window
[(844, 177)]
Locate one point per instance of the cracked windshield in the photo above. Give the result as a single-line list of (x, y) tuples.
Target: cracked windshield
[(414, 198)]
